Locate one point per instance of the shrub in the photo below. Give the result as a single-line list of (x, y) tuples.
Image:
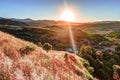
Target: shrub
[(80, 64), (88, 75), (96, 38), (66, 56), (85, 63), (87, 66), (90, 70), (106, 43), (78, 72), (85, 49), (27, 49), (81, 50), (113, 35), (30, 48), (47, 47), (99, 54)]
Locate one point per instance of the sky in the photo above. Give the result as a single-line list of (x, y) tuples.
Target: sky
[(85, 10)]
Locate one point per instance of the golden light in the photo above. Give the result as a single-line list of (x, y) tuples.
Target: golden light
[(67, 15)]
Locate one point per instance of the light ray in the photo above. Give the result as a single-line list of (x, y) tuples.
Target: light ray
[(70, 30), (72, 38)]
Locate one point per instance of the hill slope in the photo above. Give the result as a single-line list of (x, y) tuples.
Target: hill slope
[(19, 62), (4, 21)]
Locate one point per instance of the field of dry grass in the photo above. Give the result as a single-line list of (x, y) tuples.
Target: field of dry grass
[(18, 64)]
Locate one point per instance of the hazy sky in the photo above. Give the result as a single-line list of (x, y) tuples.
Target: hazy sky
[(87, 10)]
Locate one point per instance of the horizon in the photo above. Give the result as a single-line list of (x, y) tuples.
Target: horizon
[(85, 11), (61, 20)]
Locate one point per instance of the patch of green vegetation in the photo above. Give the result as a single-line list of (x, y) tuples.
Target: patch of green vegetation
[(11, 22), (66, 55), (78, 72), (88, 69), (30, 48), (27, 49), (99, 63), (106, 43), (96, 38), (47, 46), (113, 35)]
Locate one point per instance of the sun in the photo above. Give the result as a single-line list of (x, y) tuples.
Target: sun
[(68, 15)]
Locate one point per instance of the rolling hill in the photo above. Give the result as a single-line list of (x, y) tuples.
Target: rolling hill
[(19, 62), (4, 21), (56, 32)]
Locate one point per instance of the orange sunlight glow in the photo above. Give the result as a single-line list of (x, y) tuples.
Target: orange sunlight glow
[(68, 15)]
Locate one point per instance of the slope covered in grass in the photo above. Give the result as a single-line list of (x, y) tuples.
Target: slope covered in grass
[(22, 60)]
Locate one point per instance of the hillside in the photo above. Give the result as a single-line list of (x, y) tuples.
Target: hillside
[(57, 36), (19, 62), (100, 27), (4, 21)]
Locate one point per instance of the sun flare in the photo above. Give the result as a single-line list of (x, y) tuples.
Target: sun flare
[(67, 15)]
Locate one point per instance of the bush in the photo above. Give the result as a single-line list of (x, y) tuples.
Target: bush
[(87, 66), (47, 47), (66, 56), (78, 72), (106, 43), (85, 49), (100, 62), (90, 70), (113, 35), (99, 54), (96, 38), (27, 49), (30, 48)]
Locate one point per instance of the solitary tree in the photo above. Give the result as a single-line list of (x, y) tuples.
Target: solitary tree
[(86, 49), (47, 47)]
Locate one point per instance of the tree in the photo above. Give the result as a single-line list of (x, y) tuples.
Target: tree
[(99, 54), (85, 49), (96, 38), (47, 47)]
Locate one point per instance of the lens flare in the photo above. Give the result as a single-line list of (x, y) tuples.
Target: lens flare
[(72, 38), (68, 15)]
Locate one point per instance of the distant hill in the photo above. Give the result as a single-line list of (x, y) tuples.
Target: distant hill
[(4, 21), (44, 23), (100, 27), (22, 20), (41, 23), (57, 31)]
